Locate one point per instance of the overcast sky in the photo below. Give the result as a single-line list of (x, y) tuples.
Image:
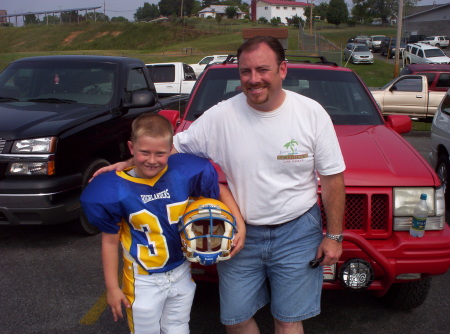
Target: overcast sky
[(125, 8)]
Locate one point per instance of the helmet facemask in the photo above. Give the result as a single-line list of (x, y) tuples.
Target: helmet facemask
[(207, 231)]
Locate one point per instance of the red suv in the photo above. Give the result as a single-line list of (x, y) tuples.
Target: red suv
[(438, 75), (384, 179)]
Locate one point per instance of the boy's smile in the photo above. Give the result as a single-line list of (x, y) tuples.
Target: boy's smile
[(150, 155)]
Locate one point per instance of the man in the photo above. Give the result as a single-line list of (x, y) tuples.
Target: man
[(276, 191)]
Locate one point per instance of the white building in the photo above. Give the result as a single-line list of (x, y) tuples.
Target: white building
[(214, 10), (282, 9)]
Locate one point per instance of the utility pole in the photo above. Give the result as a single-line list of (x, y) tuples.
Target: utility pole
[(399, 36), (310, 17)]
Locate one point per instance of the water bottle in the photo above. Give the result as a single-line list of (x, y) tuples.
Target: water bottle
[(419, 217)]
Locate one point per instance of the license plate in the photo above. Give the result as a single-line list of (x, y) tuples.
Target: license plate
[(329, 272)]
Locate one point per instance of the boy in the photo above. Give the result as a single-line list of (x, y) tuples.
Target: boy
[(140, 207)]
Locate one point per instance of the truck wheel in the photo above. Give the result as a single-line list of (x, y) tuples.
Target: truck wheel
[(83, 224), (443, 171), (407, 296), (437, 45)]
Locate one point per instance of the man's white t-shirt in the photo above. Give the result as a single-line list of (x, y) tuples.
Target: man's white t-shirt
[(270, 159)]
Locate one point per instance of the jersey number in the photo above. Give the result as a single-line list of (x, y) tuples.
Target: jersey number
[(156, 254)]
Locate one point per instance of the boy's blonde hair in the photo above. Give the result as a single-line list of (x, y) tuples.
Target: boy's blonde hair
[(152, 125)]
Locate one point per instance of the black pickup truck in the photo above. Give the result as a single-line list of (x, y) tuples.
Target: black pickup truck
[(62, 118)]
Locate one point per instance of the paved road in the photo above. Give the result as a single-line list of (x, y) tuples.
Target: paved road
[(51, 282)]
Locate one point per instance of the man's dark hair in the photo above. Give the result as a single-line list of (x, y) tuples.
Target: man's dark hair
[(273, 43)]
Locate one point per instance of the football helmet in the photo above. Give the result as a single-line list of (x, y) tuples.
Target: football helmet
[(207, 230)]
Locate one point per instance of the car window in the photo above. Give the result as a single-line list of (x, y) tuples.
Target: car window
[(444, 80), (414, 50), (206, 60), (362, 48), (420, 53), (162, 73), (408, 85), (430, 76), (434, 53), (445, 107), (340, 93), (82, 82)]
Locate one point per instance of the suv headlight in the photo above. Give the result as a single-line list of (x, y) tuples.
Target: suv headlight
[(405, 200), (33, 157), (35, 145)]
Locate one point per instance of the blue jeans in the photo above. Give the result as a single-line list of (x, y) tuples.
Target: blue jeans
[(280, 255)]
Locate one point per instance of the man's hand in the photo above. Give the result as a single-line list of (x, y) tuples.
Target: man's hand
[(331, 250), (115, 298), (118, 166)]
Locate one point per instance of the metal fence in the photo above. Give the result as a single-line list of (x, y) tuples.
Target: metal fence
[(316, 44)]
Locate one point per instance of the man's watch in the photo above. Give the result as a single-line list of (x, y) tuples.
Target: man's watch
[(335, 237)]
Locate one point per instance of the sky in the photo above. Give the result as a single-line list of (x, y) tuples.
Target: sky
[(111, 8)]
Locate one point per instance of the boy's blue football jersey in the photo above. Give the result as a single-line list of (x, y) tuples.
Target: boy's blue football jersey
[(147, 211)]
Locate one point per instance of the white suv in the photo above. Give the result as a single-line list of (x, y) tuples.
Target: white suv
[(439, 41), (419, 53)]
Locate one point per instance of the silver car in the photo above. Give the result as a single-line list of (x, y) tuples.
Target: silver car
[(358, 53), (440, 144)]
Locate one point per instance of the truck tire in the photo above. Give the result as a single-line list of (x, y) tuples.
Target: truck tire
[(443, 172), (83, 225), (407, 296)]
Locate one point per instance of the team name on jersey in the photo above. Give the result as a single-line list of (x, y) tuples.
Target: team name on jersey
[(162, 194)]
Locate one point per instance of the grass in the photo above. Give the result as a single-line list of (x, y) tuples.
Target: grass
[(165, 43)]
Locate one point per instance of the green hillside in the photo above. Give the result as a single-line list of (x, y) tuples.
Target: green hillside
[(186, 41)]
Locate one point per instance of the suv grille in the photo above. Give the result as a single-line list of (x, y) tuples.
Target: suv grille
[(2, 144), (365, 214)]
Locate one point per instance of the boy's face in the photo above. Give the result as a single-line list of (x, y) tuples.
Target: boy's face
[(150, 155)]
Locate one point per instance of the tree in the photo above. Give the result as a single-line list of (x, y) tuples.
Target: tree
[(98, 17), (294, 20), (119, 19), (147, 12), (231, 12), (275, 21), (321, 10), (367, 10), (30, 19), (173, 7), (337, 12), (263, 20)]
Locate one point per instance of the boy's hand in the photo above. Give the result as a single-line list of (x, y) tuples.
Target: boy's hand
[(238, 241), (115, 299)]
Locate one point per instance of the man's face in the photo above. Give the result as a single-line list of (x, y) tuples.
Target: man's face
[(262, 78), (150, 155)]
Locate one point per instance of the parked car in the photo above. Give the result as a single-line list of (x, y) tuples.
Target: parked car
[(374, 43), (359, 39), (200, 66), (415, 39), (384, 178), (172, 78), (440, 144), (439, 41), (419, 53), (358, 53), (61, 119), (408, 95), (388, 47), (438, 75)]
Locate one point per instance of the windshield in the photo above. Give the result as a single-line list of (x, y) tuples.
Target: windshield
[(361, 48), (434, 53), (378, 38), (340, 93), (58, 82)]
